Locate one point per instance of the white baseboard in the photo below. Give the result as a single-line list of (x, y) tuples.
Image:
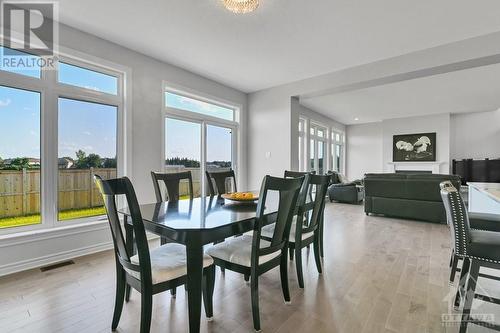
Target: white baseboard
[(53, 258), (28, 251)]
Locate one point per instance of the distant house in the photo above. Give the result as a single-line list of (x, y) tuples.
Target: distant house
[(31, 161), (65, 162)]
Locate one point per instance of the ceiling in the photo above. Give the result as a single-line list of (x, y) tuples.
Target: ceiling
[(284, 40), (470, 90)]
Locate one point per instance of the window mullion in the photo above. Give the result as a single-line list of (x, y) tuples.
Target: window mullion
[(49, 150)]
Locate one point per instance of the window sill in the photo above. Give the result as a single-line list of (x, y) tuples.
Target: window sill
[(47, 233)]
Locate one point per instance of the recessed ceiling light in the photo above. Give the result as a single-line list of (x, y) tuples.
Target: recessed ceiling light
[(356, 118)]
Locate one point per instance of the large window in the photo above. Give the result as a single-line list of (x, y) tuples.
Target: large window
[(337, 151), (183, 152), (57, 130), (199, 136), (87, 146), (19, 157), (319, 149)]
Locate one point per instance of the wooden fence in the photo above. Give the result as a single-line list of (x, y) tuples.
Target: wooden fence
[(20, 190)]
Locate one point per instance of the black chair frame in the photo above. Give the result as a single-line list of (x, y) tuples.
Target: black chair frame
[(289, 192), (110, 189), (460, 230), (172, 182), (314, 225), (219, 178)]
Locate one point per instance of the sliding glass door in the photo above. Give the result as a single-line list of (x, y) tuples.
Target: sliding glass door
[(187, 141), (183, 152)]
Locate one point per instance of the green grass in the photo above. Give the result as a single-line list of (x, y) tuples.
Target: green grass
[(18, 221)]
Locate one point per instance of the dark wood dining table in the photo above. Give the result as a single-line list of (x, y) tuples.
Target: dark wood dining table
[(196, 223)]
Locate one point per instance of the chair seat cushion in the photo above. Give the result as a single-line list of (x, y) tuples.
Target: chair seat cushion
[(168, 262), (485, 244), (239, 251), (482, 221), (268, 231)]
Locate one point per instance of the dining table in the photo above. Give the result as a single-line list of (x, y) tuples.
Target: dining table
[(196, 223)]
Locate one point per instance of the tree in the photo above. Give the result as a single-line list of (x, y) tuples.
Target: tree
[(109, 163), (20, 163), (85, 162)]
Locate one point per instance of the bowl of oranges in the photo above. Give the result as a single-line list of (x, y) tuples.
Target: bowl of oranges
[(241, 196)]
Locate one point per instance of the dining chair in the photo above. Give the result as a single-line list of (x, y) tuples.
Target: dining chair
[(477, 248), (296, 174), (172, 183), (253, 256), (148, 272), (219, 178), (477, 221), (304, 234)]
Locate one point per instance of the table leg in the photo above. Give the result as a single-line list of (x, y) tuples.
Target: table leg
[(194, 284), (129, 243)]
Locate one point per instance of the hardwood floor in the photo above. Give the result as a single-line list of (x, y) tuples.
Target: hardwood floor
[(380, 275)]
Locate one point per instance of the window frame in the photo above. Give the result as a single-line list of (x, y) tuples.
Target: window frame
[(328, 139), (51, 90), (203, 120)]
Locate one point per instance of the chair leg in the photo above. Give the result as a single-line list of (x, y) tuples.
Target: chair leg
[(120, 293), (321, 229), (291, 253), (164, 241), (317, 253), (246, 277), (469, 296), (128, 291), (452, 256), (298, 265), (173, 292), (284, 277), (254, 291), (208, 291), (453, 270), (461, 283), (146, 309)]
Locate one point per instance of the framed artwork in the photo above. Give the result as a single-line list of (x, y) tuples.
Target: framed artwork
[(419, 147)]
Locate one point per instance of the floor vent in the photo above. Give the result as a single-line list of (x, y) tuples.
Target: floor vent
[(61, 264)]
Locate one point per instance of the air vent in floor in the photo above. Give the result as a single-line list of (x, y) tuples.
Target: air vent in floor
[(61, 264)]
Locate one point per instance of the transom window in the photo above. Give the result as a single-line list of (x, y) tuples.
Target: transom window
[(176, 101)]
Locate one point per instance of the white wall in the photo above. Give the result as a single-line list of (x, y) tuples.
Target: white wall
[(475, 135), (424, 124), (369, 146), (28, 250), (363, 149), (269, 136)]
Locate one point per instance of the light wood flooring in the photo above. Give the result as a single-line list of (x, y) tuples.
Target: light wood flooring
[(380, 275)]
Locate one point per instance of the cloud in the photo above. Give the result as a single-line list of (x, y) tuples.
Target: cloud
[(87, 133), (4, 102)]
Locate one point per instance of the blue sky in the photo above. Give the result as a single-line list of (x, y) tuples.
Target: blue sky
[(92, 127)]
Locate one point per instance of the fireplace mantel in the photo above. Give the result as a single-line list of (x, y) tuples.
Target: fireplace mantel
[(417, 166)]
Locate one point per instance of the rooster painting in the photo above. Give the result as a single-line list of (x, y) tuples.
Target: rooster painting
[(414, 147)]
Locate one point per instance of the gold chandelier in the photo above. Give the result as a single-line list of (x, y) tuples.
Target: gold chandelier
[(241, 6)]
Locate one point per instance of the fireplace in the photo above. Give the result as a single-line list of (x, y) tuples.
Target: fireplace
[(414, 171), (414, 167)]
